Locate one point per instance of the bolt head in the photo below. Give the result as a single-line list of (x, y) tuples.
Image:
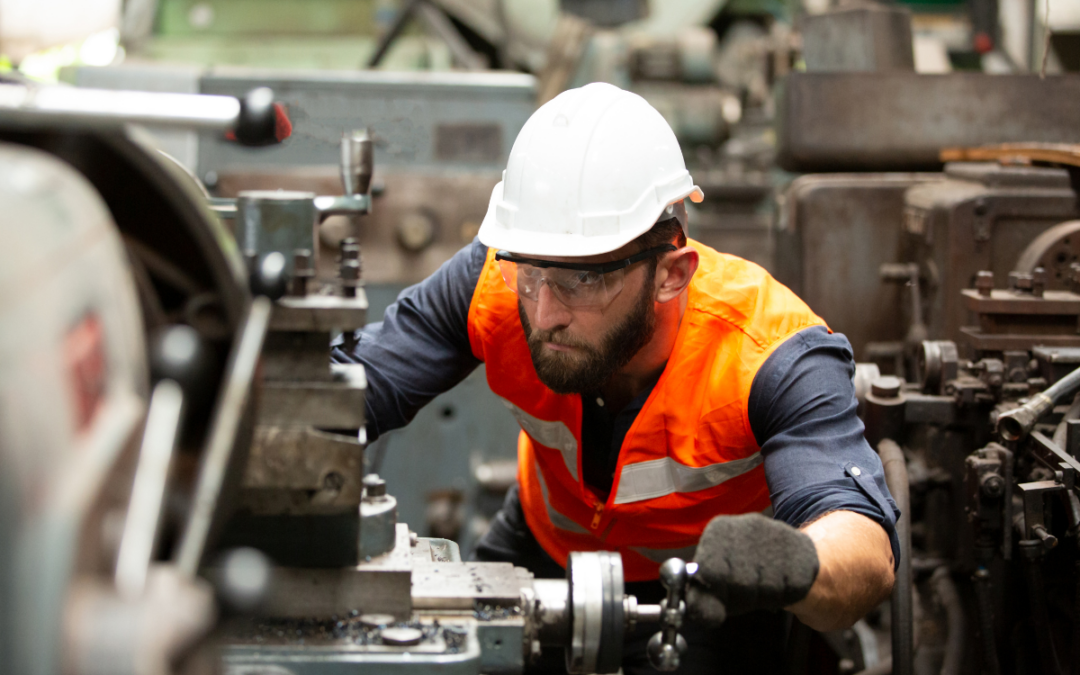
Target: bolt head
[(886, 386), (374, 486)]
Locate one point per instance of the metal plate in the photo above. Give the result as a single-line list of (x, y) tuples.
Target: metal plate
[(896, 121)]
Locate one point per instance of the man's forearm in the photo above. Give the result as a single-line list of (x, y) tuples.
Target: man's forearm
[(855, 570)]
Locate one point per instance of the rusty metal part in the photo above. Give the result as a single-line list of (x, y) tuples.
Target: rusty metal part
[(1055, 250), (1016, 319), (905, 119), (1016, 153)]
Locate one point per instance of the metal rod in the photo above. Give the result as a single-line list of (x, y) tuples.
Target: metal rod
[(985, 609), (896, 477), (148, 491), (240, 379), (1034, 554), (102, 107), (392, 34)]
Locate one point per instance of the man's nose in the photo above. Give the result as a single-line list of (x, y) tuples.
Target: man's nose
[(551, 313)]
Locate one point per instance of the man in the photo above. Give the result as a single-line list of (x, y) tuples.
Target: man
[(662, 389)]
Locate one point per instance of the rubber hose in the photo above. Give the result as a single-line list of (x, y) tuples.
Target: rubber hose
[(954, 615), (1062, 430), (896, 477)]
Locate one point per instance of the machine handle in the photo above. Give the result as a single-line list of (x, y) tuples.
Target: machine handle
[(256, 120), (667, 646)]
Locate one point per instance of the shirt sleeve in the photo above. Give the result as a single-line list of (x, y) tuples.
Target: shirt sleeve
[(421, 347), (802, 412)]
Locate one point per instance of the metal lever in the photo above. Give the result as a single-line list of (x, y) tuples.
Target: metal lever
[(667, 646), (357, 166)]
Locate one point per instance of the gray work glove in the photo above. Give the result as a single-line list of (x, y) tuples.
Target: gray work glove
[(749, 562)]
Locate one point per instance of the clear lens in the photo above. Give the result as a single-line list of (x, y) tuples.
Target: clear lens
[(574, 288)]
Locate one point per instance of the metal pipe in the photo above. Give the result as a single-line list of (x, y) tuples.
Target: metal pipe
[(985, 608), (1075, 661), (896, 477), (954, 615), (88, 107), (1034, 553), (1018, 422)]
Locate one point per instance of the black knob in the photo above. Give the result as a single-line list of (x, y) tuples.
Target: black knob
[(180, 354), (269, 277), (257, 124)]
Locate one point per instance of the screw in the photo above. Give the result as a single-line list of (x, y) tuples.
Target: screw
[(350, 249), (993, 485), (374, 486), (1020, 282), (1038, 282), (350, 277), (302, 272)]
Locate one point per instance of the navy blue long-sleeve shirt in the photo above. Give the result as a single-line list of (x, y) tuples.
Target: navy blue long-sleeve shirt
[(801, 408)]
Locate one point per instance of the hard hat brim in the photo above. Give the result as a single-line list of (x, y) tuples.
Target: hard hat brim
[(562, 244)]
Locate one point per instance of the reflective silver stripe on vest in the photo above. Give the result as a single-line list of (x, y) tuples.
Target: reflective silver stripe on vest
[(659, 477), (557, 519), (552, 434), (659, 555)]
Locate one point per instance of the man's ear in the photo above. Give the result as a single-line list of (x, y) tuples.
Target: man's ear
[(674, 272)]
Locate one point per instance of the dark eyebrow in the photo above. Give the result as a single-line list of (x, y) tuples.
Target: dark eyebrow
[(599, 268)]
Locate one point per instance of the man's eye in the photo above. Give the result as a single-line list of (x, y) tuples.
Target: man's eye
[(528, 271), (588, 278)]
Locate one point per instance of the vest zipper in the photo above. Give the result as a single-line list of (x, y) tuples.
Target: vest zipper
[(596, 515)]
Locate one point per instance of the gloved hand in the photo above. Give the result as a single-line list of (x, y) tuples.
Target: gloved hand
[(749, 562)]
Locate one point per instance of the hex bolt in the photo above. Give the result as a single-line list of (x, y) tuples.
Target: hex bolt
[(992, 485), (1038, 282), (302, 272), (350, 249), (1020, 282), (374, 486), (984, 282), (350, 277)]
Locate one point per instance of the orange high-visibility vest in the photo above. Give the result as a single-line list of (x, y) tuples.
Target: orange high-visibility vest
[(690, 454)]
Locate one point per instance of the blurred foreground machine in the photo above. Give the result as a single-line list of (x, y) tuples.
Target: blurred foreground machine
[(181, 476)]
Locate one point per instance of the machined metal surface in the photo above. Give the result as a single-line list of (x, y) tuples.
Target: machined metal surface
[(462, 585), (337, 404), (322, 313), (836, 231), (378, 518), (276, 220), (399, 107), (302, 470), (379, 586), (903, 120)]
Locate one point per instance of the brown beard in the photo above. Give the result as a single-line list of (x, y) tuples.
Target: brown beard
[(593, 366)]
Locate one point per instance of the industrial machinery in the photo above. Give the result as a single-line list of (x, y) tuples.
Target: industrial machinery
[(181, 471)]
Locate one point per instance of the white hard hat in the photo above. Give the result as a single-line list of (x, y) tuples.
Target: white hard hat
[(591, 170)]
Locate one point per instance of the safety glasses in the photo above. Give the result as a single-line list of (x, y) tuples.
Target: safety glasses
[(574, 284)]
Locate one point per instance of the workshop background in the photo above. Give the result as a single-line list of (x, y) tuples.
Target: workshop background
[(819, 131)]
